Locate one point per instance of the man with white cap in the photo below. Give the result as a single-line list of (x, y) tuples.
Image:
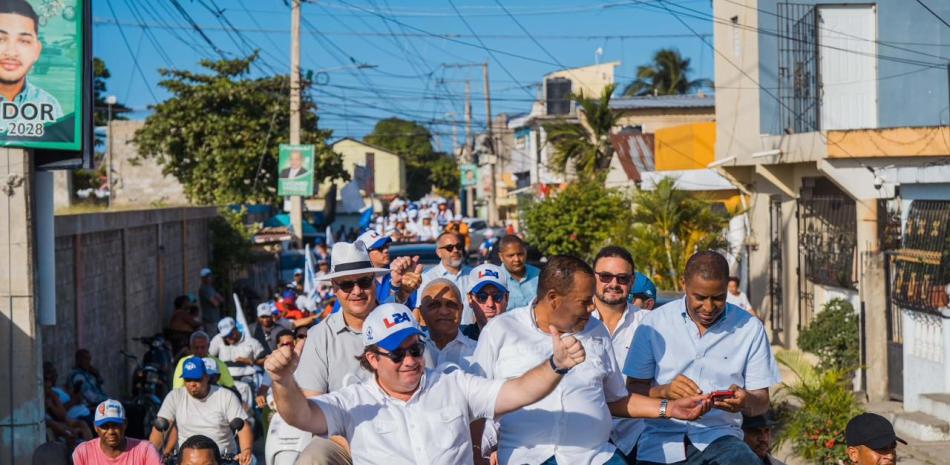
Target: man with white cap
[(488, 297), (426, 230), (240, 353), (450, 247), (329, 358), (267, 327), (210, 301), (112, 446), (406, 414), (298, 280)]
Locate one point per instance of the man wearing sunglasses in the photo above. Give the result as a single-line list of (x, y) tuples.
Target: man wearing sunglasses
[(450, 247), (572, 425), (488, 297), (613, 268), (406, 414), (329, 359)]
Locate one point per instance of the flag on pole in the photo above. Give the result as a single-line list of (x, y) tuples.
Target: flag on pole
[(330, 240), (366, 218), (309, 275), (239, 316)]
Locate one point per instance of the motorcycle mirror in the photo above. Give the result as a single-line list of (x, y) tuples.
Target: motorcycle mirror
[(161, 424), (236, 424)]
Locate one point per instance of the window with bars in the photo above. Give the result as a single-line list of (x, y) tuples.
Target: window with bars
[(922, 264), (798, 71)]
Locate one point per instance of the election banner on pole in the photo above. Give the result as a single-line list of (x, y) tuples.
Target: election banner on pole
[(42, 87), (295, 170), (469, 175)]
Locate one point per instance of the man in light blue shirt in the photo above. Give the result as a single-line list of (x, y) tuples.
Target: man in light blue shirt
[(450, 248), (522, 278), (699, 345)]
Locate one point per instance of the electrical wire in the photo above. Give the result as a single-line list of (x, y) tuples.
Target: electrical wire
[(132, 54), (934, 13)]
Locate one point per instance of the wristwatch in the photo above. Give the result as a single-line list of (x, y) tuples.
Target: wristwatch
[(560, 371), (663, 404)]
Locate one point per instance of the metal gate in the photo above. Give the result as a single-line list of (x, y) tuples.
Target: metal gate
[(776, 296), (889, 236)]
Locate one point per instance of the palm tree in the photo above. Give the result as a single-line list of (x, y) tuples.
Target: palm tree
[(668, 74), (586, 144)]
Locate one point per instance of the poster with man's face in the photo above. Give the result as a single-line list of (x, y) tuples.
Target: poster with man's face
[(41, 58), (295, 170)]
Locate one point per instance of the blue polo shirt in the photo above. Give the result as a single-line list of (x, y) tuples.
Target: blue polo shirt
[(734, 350), (521, 293)]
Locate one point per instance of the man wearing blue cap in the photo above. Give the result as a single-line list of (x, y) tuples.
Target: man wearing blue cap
[(643, 294), (488, 297), (200, 408), (112, 446), (407, 414)]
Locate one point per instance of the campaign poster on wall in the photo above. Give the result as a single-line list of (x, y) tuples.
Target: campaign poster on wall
[(295, 170)]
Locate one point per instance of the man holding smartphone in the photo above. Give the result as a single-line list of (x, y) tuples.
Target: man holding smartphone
[(701, 345)]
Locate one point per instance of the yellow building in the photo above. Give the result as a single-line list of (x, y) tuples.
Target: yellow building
[(378, 172)]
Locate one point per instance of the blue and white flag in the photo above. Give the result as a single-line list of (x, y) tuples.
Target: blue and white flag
[(241, 319)]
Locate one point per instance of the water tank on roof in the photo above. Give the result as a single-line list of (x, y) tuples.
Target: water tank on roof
[(558, 96)]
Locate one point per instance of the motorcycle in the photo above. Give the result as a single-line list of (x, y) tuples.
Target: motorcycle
[(227, 458), (150, 383)]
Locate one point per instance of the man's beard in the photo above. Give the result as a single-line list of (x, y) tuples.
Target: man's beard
[(620, 300), (454, 263), (14, 82)]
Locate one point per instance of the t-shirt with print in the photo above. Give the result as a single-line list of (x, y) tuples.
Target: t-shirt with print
[(137, 452)]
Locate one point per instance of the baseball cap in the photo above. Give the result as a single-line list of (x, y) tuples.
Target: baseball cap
[(373, 240), (265, 309), (211, 366), (871, 430), (205, 272), (110, 411), (226, 325), (757, 422), (488, 274), (193, 369), (389, 325), (298, 271), (643, 286)]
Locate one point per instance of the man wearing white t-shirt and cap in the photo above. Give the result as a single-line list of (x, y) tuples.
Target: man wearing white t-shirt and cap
[(613, 267), (239, 351), (571, 425), (406, 414)]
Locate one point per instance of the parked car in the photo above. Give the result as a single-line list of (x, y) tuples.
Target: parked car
[(476, 230)]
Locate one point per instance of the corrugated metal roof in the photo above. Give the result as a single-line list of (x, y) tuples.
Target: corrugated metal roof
[(663, 101), (634, 151)]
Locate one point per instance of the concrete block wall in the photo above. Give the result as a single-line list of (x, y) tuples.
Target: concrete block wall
[(139, 181), (117, 274)]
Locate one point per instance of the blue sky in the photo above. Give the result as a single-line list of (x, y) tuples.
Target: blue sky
[(408, 78)]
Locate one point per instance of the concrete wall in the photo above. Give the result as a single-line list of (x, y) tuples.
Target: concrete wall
[(918, 98), (588, 80), (116, 276), (139, 181)]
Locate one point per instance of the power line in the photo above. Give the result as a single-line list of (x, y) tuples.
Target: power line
[(523, 29), (135, 60), (934, 13)]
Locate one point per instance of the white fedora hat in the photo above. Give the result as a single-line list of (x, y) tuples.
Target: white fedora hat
[(348, 259)]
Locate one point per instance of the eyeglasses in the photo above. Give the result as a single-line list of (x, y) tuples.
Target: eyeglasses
[(482, 297), (622, 279), (398, 355), (364, 283), (451, 247)]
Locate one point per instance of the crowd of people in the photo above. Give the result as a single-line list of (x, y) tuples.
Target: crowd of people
[(510, 363)]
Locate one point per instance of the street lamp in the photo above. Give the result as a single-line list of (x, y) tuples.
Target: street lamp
[(110, 101)]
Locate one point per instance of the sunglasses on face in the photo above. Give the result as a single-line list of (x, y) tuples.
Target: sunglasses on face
[(482, 297), (622, 279), (451, 247), (364, 283), (398, 355)]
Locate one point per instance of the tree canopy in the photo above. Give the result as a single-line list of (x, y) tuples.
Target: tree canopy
[(425, 168), (220, 132), (667, 74), (585, 144)]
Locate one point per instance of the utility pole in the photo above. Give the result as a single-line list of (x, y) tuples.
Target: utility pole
[(469, 207), (493, 157), (296, 201), (110, 100)]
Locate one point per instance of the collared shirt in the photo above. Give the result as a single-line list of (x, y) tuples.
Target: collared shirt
[(572, 423), (734, 350), (432, 427), (626, 431), (35, 95), (247, 347), (461, 281), (458, 352), (522, 292)]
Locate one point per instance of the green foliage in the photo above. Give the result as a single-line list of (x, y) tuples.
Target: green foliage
[(230, 245), (816, 428), (425, 168), (578, 220), (669, 225), (100, 75), (220, 131), (587, 144), (833, 337), (668, 74)]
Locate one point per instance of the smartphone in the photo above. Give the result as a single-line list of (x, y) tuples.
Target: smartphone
[(717, 396)]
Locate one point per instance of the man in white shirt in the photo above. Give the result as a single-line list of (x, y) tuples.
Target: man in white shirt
[(613, 267), (240, 352), (450, 247), (200, 408), (441, 309), (488, 297), (700, 345), (738, 298), (570, 426), (405, 414)]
